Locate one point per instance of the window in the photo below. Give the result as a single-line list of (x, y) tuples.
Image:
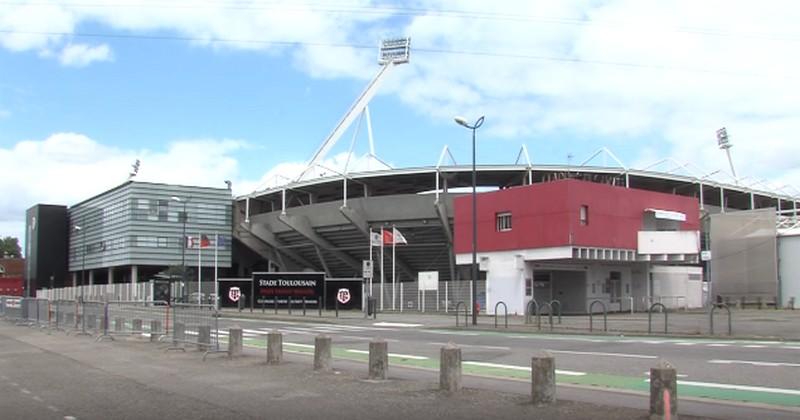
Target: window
[(162, 242), (503, 221), (584, 215)]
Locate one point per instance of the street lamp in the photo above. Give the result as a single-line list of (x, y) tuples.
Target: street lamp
[(183, 217), (463, 121), (78, 228)]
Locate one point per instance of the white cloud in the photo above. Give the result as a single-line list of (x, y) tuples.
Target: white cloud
[(81, 55), (664, 74), (67, 168)]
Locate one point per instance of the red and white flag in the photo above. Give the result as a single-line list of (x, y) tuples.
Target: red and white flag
[(393, 238)]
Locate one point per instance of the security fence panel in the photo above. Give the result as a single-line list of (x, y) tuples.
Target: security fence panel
[(445, 299), (13, 308), (42, 312), (195, 325), (63, 314), (136, 317)]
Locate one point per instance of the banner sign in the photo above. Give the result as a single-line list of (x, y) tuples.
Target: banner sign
[(347, 292), (233, 291), (286, 286)]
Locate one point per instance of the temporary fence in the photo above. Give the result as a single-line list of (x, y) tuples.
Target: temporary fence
[(149, 318), (63, 315), (195, 324), (409, 296), (100, 292), (11, 308)]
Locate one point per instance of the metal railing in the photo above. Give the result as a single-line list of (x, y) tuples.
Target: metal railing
[(650, 317), (196, 325), (591, 315), (505, 310)]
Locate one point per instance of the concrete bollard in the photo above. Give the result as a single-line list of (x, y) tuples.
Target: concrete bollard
[(543, 379), (178, 333), (203, 337), (322, 353), (119, 325), (274, 347), (91, 321), (378, 359), (235, 342), (136, 326), (155, 330), (450, 368), (663, 392)]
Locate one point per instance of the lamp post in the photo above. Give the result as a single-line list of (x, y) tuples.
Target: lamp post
[(83, 254), (183, 217), (463, 122)]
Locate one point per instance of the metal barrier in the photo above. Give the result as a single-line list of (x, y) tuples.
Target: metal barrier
[(531, 308), (650, 317), (505, 309), (466, 313), (553, 304), (136, 317), (12, 308), (549, 315), (63, 318), (591, 315), (711, 318), (195, 325)]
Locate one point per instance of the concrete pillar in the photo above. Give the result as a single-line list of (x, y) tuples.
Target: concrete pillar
[(155, 330), (378, 359), (543, 379), (110, 275), (178, 333), (137, 326), (119, 325), (322, 353), (203, 337), (74, 279), (450, 368), (134, 280), (663, 392), (274, 347), (235, 343), (91, 277)]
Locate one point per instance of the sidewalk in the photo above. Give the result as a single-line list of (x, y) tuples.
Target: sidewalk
[(746, 324), (131, 378)]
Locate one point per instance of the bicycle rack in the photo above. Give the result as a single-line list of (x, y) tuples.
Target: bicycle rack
[(505, 309), (591, 315), (529, 310), (711, 318), (553, 304), (650, 317), (466, 313), (549, 315)]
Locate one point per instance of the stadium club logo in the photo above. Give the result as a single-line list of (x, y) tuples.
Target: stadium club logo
[(234, 293), (343, 296)]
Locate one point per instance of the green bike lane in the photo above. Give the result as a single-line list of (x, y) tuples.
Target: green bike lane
[(770, 396)]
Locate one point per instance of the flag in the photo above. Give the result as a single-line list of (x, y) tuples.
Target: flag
[(190, 242), (223, 241), (392, 238), (375, 239), (204, 241)]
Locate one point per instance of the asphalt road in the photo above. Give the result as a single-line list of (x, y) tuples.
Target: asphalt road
[(743, 372)]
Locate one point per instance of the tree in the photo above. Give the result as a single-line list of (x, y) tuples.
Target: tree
[(9, 247)]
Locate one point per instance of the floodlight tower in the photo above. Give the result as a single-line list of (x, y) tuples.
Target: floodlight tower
[(725, 144), (391, 53)]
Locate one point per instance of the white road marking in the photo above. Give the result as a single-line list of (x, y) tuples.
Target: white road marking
[(52, 408), (754, 346), (396, 324), (356, 337), (307, 346), (37, 398), (753, 362), (24, 391), (525, 368), (790, 347), (685, 344), (474, 346), (592, 353), (718, 345), (742, 387), (680, 375), (402, 356), (449, 332)]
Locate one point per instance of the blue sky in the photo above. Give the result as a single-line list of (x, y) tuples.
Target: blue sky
[(204, 91)]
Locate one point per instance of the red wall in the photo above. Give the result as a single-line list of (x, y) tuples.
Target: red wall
[(11, 286), (547, 215)]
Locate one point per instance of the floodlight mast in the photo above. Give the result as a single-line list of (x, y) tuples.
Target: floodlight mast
[(724, 143), (391, 53)]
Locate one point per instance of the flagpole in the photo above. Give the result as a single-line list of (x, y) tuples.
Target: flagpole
[(370, 262), (216, 270), (382, 278), (394, 272), (199, 268)]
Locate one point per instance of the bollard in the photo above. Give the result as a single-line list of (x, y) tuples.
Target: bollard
[(203, 337), (378, 359), (137, 326), (663, 392), (178, 333), (322, 353), (235, 341), (119, 325), (543, 379), (155, 330), (274, 347), (450, 368)]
